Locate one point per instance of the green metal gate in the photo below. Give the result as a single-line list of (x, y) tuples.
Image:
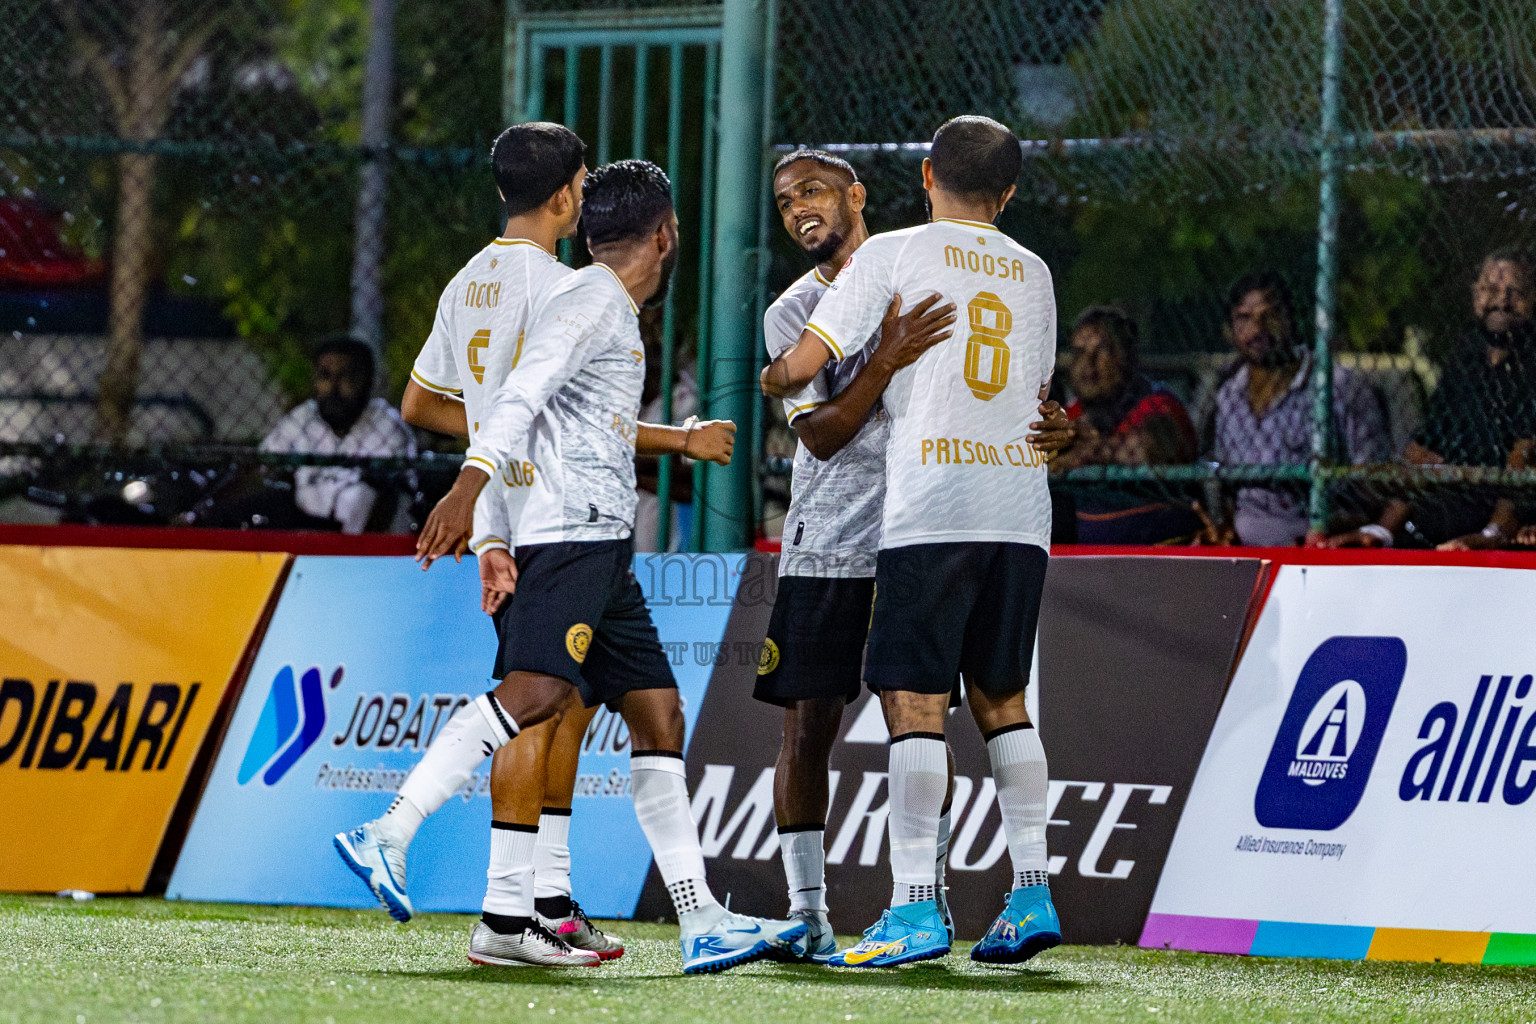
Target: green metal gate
[(638, 84)]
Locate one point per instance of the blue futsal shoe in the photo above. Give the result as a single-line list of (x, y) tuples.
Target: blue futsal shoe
[(903, 935), (1027, 925)]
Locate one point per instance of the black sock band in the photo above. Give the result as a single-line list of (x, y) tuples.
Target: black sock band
[(1015, 727), (553, 906), (505, 924), (918, 736)]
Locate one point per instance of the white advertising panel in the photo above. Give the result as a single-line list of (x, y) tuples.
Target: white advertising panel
[(1367, 789)]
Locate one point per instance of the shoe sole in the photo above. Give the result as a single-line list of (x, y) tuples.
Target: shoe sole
[(393, 906), (725, 963), (607, 954), (1038, 943), (486, 960), (910, 958)]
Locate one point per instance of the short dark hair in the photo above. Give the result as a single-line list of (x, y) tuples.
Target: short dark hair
[(624, 200), (359, 355), (975, 157), (1516, 257), (533, 161), (817, 156), (1270, 282), (1115, 324)]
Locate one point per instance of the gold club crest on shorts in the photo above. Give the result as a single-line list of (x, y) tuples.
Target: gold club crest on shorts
[(578, 641), (767, 657)]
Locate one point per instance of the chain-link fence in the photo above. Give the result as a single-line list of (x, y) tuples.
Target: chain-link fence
[(185, 212), (192, 195), (1175, 146)]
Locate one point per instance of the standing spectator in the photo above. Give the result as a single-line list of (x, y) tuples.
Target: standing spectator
[(340, 420), (1264, 410), (1122, 417), (1482, 414)]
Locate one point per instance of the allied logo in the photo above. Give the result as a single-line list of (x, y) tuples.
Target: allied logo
[(578, 641), (767, 657), (1332, 729), (291, 721)]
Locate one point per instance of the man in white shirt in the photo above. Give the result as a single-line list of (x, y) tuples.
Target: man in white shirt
[(578, 620), (965, 529), (340, 420)]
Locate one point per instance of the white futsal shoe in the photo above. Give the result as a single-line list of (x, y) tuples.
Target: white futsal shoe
[(736, 939), (532, 947), (380, 864)]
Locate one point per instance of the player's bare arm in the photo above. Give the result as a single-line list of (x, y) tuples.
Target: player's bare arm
[(432, 411), (703, 440), (796, 366), (904, 337), (452, 521)]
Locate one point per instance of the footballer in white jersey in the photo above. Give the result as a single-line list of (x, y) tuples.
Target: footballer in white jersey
[(476, 341), (578, 622), (966, 528)]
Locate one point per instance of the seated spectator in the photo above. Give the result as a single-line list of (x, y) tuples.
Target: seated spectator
[(1264, 410), (1122, 417), (1482, 414), (340, 420)]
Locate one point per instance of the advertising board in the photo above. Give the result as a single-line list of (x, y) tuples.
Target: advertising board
[(1366, 790)]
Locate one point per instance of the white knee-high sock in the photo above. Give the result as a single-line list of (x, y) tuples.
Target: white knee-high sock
[(1018, 767), (475, 732), (658, 780), (552, 854), (919, 776), (941, 849), (509, 879), (805, 866)]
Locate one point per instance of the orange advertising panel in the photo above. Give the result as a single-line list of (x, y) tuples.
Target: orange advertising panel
[(113, 663)]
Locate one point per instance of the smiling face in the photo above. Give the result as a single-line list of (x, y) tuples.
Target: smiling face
[(1503, 296), (818, 206)]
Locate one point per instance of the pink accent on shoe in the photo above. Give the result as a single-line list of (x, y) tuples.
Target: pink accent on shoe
[(566, 929)]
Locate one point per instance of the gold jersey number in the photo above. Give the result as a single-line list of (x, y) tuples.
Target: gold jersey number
[(986, 350)]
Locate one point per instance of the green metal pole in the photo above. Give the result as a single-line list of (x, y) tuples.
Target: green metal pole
[(669, 314), (701, 325), (1327, 260), (727, 504)]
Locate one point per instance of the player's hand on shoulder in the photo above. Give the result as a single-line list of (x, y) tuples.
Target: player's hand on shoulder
[(498, 579), (906, 336), (709, 440)]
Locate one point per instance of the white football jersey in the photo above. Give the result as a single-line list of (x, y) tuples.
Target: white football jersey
[(832, 528), (957, 466), (476, 341), (576, 394)]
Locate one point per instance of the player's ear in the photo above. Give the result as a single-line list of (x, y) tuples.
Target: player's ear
[(1012, 191), (857, 196), (927, 174)]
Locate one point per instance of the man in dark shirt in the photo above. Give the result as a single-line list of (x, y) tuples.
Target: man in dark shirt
[(1483, 414), (1122, 417)]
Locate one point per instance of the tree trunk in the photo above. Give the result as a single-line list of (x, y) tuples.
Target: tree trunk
[(132, 268)]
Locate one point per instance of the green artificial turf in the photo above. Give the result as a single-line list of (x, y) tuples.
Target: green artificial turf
[(152, 960)]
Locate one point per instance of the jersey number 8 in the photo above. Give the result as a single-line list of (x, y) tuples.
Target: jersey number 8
[(990, 323)]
